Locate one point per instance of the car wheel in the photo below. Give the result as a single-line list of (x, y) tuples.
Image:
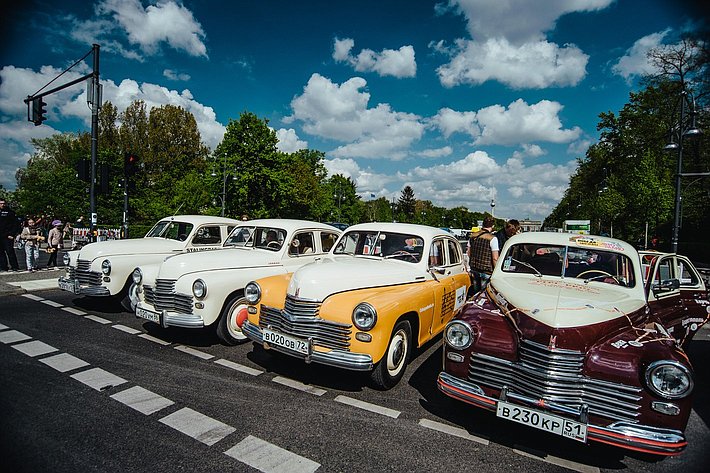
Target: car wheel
[(390, 369), (130, 299), (228, 329)]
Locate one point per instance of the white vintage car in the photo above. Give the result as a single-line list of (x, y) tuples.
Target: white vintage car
[(199, 290), (105, 268)]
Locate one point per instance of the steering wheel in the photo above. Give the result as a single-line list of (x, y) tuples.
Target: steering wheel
[(182, 237), (603, 273), (406, 253), (273, 245)]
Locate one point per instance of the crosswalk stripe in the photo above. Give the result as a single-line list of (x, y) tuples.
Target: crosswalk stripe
[(154, 339), (367, 406), (74, 311), (64, 362), (193, 352), (12, 336), (269, 458), (291, 383), (198, 426), (123, 328), (142, 400), (33, 297), (239, 367), (34, 348), (98, 379), (3, 327), (451, 430), (52, 303), (98, 319)]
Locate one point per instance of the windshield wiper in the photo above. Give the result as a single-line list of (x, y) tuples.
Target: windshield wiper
[(537, 273)]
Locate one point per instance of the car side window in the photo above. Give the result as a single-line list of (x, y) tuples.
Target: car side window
[(665, 271), (687, 277), (327, 240), (302, 244), (454, 252), (436, 253), (207, 235)]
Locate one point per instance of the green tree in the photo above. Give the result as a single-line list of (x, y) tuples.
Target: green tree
[(406, 204)]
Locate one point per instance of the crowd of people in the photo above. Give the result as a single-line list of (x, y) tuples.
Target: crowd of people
[(32, 235)]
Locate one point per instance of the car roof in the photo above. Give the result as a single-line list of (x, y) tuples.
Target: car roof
[(201, 219), (575, 240), (288, 224), (424, 231)]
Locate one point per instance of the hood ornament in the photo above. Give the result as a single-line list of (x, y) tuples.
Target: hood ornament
[(553, 343)]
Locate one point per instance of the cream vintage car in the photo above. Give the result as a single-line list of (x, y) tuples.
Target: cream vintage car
[(207, 289), (385, 289), (104, 268)]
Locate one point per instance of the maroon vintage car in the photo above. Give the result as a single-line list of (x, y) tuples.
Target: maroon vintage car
[(582, 337)]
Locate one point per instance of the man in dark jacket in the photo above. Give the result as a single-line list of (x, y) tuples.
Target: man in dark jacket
[(479, 254), (9, 228)]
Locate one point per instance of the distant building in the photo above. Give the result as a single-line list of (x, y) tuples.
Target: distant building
[(530, 225)]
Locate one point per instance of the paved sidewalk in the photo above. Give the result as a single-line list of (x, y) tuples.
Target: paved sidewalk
[(23, 281)]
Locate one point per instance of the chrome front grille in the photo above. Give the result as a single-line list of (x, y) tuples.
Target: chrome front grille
[(556, 376), (164, 297), (83, 273), (300, 319)]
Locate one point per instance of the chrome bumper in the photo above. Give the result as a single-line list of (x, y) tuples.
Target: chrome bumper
[(94, 291), (337, 358), (642, 438), (174, 319)]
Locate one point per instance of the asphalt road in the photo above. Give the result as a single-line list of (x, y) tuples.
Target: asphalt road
[(92, 388)]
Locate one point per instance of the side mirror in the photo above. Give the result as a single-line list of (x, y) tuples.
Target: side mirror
[(438, 269), (666, 285)]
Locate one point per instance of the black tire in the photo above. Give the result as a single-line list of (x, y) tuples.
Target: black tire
[(129, 299), (227, 330), (391, 367)]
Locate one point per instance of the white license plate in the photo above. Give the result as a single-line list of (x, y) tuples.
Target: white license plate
[(68, 285), (148, 315), (286, 341), (543, 421)]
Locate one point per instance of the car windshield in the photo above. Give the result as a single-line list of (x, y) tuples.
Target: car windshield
[(388, 245), (240, 236), (171, 230), (588, 264)]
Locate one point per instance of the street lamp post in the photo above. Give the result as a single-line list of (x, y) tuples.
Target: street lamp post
[(493, 206), (684, 130), (223, 196)]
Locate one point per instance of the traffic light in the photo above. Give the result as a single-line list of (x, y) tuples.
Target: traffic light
[(130, 164), (104, 181), (83, 170), (38, 111)]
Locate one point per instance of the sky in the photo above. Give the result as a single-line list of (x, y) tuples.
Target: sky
[(466, 101)]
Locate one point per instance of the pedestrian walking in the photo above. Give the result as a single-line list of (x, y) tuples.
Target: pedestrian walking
[(32, 236), (479, 254), (55, 242), (9, 228)]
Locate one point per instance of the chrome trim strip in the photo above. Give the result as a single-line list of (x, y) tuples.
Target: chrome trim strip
[(182, 320)]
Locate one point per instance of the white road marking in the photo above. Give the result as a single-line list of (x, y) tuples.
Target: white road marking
[(142, 400), (98, 319), (13, 336), (123, 328), (193, 352), (52, 303), (367, 406), (34, 348), (153, 339), (198, 426), (451, 430), (238, 367), (98, 379), (36, 285), (74, 311), (291, 383), (570, 465), (3, 327), (29, 296), (64, 362), (269, 458)]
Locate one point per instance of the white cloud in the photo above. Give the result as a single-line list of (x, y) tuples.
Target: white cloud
[(340, 112), (175, 75), (390, 62), (450, 121), (508, 44), (532, 151), (533, 65), (289, 141), (635, 62), (435, 152)]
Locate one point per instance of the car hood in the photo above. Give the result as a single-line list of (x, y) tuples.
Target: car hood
[(226, 258), (331, 275), (564, 303), (129, 247)]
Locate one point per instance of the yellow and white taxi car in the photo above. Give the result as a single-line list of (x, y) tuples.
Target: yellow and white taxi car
[(104, 268), (197, 290), (383, 290)]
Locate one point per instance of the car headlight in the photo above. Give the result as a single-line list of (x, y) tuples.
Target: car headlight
[(669, 379), (364, 316), (252, 293), (458, 335), (106, 267), (66, 259), (199, 288), (137, 276)]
